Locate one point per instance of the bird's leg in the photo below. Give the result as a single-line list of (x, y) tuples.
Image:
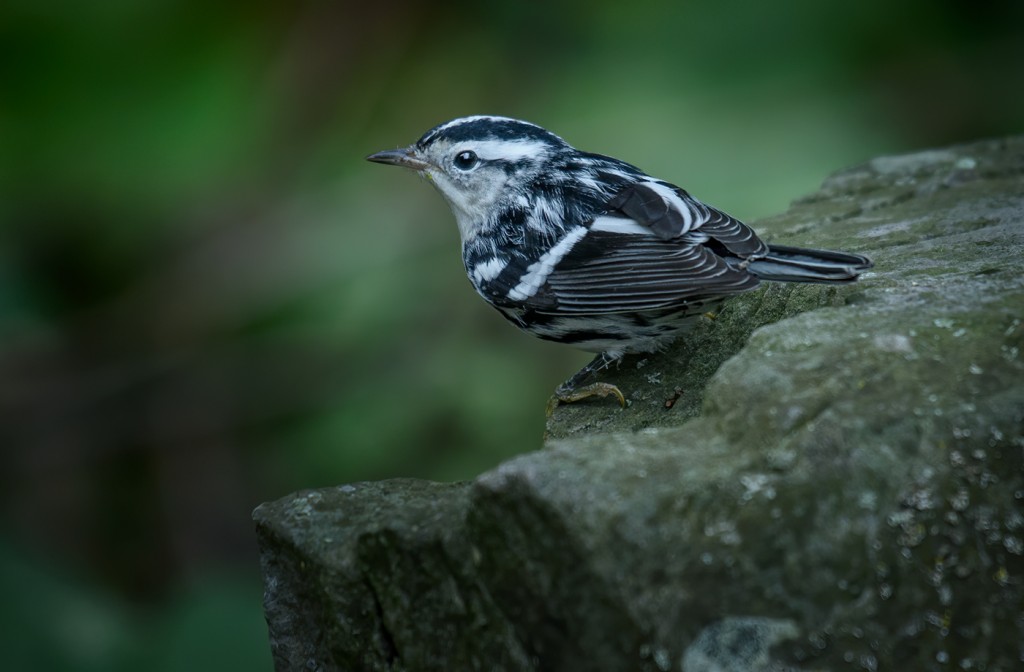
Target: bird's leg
[(571, 390)]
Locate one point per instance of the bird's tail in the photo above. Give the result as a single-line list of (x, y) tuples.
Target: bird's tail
[(798, 264)]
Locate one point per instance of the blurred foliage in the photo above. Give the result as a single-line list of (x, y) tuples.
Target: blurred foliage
[(51, 621), (207, 298)]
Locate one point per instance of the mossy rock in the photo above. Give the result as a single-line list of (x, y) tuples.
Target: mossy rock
[(835, 483)]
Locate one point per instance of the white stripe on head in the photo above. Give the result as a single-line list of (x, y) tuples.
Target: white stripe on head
[(479, 117), (433, 133), (537, 273), (505, 150)]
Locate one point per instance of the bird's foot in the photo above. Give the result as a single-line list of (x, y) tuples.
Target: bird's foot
[(565, 395), (571, 390)]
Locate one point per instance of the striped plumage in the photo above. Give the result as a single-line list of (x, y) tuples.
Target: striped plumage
[(588, 250)]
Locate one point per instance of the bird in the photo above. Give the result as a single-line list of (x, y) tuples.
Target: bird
[(588, 250)]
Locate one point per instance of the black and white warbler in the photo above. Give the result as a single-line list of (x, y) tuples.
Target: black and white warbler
[(588, 250)]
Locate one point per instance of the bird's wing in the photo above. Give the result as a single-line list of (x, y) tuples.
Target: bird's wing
[(656, 248), (616, 272), (670, 213)]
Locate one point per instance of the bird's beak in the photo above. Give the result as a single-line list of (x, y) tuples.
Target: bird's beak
[(405, 157)]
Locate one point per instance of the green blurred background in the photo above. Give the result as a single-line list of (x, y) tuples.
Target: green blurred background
[(208, 299)]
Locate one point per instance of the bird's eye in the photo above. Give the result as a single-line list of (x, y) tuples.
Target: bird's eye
[(465, 160)]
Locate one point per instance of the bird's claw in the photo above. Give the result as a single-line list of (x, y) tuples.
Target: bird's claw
[(577, 394)]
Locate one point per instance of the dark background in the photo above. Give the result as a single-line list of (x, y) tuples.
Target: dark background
[(208, 299)]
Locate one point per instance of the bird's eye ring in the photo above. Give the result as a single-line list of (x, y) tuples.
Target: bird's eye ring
[(466, 160)]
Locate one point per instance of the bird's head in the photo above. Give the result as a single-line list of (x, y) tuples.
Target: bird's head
[(481, 165)]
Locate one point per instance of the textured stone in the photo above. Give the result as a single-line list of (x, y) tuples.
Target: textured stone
[(839, 483)]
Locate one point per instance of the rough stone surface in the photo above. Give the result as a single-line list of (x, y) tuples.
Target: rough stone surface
[(838, 485)]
